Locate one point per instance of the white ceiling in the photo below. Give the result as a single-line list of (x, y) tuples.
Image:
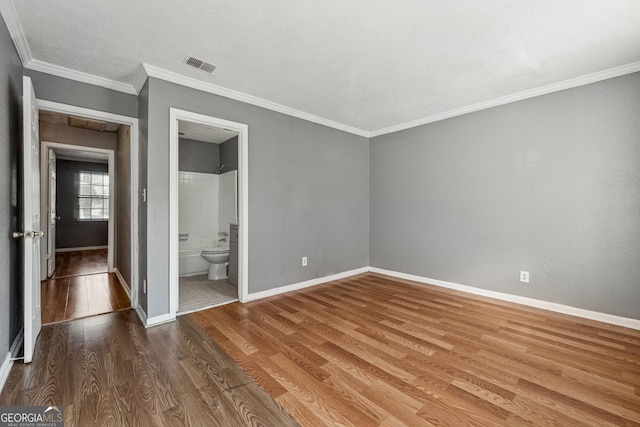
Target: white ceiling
[(205, 133), (367, 64)]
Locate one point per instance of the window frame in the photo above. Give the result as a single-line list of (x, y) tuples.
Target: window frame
[(93, 196)]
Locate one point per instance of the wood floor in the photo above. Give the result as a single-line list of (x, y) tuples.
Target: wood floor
[(77, 263), (110, 371), (370, 351), (81, 287)]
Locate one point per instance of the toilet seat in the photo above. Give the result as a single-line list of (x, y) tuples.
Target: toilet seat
[(217, 250)]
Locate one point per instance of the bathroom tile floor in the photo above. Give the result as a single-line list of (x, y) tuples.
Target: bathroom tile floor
[(199, 293)]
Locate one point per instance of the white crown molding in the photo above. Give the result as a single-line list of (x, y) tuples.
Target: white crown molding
[(140, 79), (526, 94), (15, 30), (79, 76), (20, 41), (159, 73), (531, 302)]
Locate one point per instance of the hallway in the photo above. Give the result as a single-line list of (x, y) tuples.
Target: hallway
[(81, 287)]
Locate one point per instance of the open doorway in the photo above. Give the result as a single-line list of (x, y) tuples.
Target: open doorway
[(208, 217), (87, 197)]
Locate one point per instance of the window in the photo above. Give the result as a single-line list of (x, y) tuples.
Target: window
[(93, 196)]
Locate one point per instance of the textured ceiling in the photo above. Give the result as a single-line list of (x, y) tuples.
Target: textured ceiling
[(369, 64), (204, 133)]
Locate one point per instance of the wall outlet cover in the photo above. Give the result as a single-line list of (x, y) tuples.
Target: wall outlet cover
[(524, 276)]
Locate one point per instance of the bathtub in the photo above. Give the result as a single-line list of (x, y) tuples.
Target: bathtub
[(191, 263)]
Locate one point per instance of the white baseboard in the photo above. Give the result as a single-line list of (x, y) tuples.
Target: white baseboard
[(531, 302), (5, 368), (123, 282), (296, 286), (153, 321), (159, 320), (141, 315), (84, 248)]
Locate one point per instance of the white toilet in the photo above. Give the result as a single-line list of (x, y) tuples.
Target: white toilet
[(219, 258)]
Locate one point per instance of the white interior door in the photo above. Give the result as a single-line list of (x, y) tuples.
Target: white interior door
[(31, 219), (52, 217)]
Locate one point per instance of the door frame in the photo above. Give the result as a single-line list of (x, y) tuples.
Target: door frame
[(133, 124), (46, 145), (176, 115)]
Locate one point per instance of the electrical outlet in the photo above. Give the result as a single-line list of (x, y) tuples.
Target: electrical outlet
[(144, 285), (524, 276), (304, 261)]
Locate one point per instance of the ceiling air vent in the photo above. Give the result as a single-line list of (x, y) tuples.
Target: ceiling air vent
[(200, 64)]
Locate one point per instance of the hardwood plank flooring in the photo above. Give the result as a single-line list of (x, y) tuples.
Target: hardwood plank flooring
[(376, 351), (109, 370), (81, 287), (76, 263), (71, 298)]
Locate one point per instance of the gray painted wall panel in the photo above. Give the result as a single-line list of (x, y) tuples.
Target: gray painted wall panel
[(308, 193), (549, 185), (65, 91), (229, 154), (143, 116), (11, 301), (70, 232), (198, 156)]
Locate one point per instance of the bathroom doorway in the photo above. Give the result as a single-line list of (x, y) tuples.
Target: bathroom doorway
[(206, 212)]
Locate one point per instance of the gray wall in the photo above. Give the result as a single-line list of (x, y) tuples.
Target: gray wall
[(75, 136), (204, 157), (198, 156), (70, 232), (549, 185), (71, 92), (229, 154), (308, 193), (10, 220), (123, 204), (143, 116)]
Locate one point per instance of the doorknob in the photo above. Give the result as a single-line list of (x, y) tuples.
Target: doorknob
[(58, 218), (17, 235), (38, 234)]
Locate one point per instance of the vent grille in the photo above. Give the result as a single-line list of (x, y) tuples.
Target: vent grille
[(200, 64)]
